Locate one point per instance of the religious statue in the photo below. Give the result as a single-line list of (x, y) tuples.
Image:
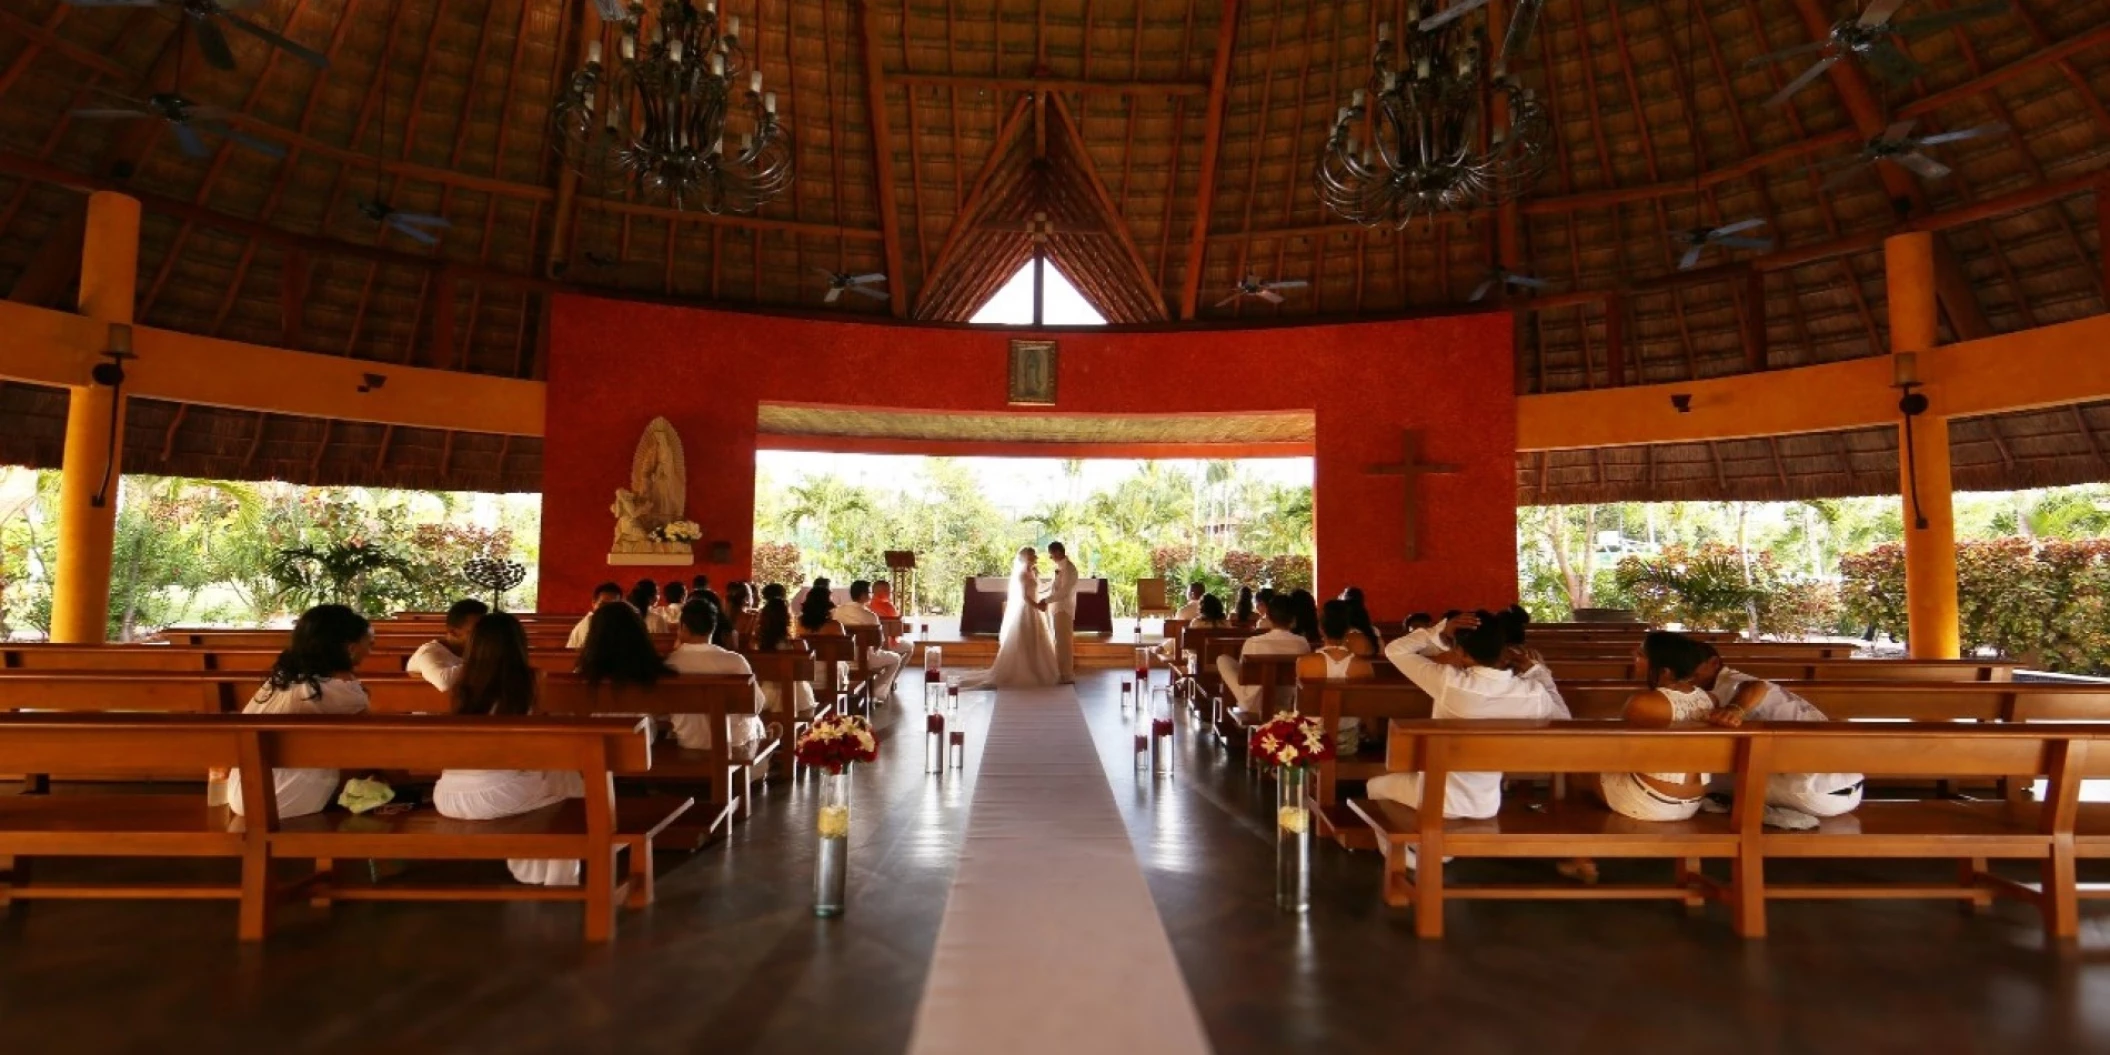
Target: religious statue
[(649, 528)]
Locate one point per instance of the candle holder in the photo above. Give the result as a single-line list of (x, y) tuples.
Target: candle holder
[(952, 701), (933, 742), (1142, 669), (1141, 727), (1128, 702), (958, 754), (831, 868), (1161, 732)]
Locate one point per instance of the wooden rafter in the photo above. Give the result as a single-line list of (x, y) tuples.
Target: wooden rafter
[(883, 160), (1212, 146), (1066, 85), (1121, 234)]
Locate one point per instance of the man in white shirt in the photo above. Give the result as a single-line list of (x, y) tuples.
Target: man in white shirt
[(606, 593), (1458, 662), (1738, 698), (440, 661), (1277, 642), (854, 612), (1192, 610), (694, 654), (1060, 603)]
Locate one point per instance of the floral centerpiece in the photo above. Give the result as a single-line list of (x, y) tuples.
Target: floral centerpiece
[(830, 744), (677, 531), (1292, 743)]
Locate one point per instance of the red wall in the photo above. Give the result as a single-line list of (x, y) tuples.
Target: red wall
[(615, 365)]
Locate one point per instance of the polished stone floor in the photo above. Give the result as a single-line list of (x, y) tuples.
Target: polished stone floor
[(729, 960)]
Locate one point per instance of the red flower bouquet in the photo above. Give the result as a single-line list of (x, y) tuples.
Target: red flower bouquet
[(1291, 741), (836, 741)]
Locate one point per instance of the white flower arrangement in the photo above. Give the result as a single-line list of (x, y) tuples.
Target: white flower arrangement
[(677, 531)]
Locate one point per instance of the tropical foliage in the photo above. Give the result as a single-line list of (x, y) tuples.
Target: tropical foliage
[(2046, 602)]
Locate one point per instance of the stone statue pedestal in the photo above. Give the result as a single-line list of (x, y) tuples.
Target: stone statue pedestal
[(654, 554)]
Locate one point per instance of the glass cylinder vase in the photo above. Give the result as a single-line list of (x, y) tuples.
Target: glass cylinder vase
[(1292, 841), (1161, 732), (831, 863)]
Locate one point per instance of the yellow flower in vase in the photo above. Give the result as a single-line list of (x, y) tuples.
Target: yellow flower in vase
[(835, 822)]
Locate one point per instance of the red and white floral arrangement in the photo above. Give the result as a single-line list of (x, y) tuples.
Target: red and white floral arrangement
[(1291, 741), (835, 741)]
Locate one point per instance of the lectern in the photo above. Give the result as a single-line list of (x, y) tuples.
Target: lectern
[(901, 571)]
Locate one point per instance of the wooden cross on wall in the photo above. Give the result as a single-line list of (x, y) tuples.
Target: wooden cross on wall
[(1410, 470)]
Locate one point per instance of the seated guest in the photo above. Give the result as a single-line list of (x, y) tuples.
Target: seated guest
[(700, 584), (1211, 618), (1420, 621), (619, 649), (817, 611), (1667, 664), (667, 613), (1458, 662), (606, 593), (1306, 623), (1278, 642), (1195, 592), (883, 600), (773, 634), (774, 592), (739, 614), (854, 612), (1739, 697), (645, 598), (1515, 622), (1362, 636), (695, 654), (1242, 613), (439, 660), (496, 679), (1336, 660), (312, 676), (1260, 602)]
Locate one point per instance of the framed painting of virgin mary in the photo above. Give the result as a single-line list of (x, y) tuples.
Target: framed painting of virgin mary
[(1032, 373)]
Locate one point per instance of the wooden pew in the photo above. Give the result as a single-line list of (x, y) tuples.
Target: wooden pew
[(784, 670), (1268, 674), (181, 825), (1201, 683), (1733, 652), (1581, 669), (726, 772), (1970, 832), (837, 681)]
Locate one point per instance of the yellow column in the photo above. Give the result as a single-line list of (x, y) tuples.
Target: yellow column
[(80, 603), (1930, 532)]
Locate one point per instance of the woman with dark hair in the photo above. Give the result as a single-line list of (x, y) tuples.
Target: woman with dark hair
[(497, 680), (619, 649), (668, 612), (1306, 625), (1242, 615), (1212, 616), (1261, 597), (773, 634), (740, 613), (816, 614), (314, 675), (1337, 660), (644, 599), (1362, 633)]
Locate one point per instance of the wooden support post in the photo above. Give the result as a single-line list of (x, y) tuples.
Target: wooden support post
[(1923, 442), (95, 421)]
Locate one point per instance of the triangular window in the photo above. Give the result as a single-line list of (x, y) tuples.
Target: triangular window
[(1061, 304)]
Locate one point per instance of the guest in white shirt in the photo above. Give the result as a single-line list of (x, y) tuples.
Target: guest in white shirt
[(667, 614), (855, 612), (695, 654), (1740, 697), (1193, 608), (1458, 663), (314, 675), (606, 593), (645, 598), (1276, 642), (497, 680), (440, 661)]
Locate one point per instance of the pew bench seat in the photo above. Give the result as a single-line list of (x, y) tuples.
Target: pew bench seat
[(104, 825), (422, 834)]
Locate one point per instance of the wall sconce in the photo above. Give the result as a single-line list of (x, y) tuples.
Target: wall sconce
[(1682, 402), (1905, 377), (371, 382), (111, 375), (719, 552)]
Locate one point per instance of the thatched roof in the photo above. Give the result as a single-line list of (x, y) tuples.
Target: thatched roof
[(1661, 127)]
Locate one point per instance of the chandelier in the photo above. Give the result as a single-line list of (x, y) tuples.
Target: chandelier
[(1447, 133), (657, 120)]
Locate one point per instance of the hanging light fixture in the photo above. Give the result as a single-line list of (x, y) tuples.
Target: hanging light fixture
[(1440, 131), (658, 120)]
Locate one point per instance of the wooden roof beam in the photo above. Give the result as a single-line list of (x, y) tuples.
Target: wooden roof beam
[(883, 161), (1127, 243), (1212, 145), (1000, 83), (976, 198)]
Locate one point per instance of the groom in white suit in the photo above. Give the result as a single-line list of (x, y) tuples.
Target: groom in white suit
[(1060, 602)]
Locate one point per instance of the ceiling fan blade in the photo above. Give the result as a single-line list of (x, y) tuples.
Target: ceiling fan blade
[(872, 277), (1290, 283), (1527, 282), (1230, 300), (867, 291), (1898, 131), (1738, 227), (1963, 134), (1922, 165), (1692, 258), (420, 218), (412, 233), (1760, 244), (1481, 291), (1522, 21), (1451, 14), (308, 55), (212, 43), (110, 114), (187, 139), (1815, 71), (1889, 62), (1879, 11), (1841, 177), (834, 294), (1787, 53), (1944, 19), (1270, 296)]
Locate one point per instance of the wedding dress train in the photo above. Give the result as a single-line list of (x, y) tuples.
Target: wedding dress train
[(1025, 648)]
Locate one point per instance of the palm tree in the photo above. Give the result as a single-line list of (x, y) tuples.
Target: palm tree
[(824, 500)]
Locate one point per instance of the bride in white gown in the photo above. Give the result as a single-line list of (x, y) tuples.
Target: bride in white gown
[(1025, 648)]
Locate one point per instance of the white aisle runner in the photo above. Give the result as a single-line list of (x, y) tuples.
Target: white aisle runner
[(1050, 941)]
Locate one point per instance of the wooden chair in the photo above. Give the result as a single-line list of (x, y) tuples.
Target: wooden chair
[(1153, 598)]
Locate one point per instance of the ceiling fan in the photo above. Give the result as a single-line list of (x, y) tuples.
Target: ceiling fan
[(840, 282), (416, 226), (1251, 286), (1501, 276), (1873, 39), (1697, 239), (186, 120), (205, 18), (1900, 147)]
